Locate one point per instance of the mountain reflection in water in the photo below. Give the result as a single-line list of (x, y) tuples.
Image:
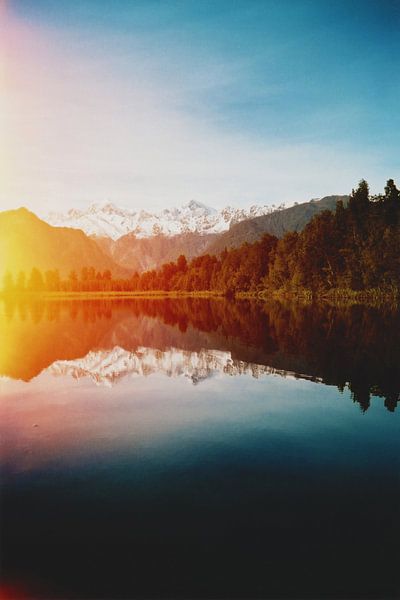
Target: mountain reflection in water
[(356, 346)]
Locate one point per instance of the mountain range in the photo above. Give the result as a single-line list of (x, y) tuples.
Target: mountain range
[(110, 221), (107, 237)]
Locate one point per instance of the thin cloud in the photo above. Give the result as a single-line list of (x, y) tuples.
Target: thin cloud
[(82, 123)]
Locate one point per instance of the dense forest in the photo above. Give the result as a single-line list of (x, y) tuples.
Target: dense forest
[(357, 247)]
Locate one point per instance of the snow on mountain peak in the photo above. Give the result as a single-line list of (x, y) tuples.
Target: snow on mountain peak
[(109, 220), (107, 367)]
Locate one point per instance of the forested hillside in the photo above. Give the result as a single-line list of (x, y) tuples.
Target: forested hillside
[(277, 223), (357, 247)]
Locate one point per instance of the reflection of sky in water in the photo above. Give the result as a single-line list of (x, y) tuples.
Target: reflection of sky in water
[(63, 421)]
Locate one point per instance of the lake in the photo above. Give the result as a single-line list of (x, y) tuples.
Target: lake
[(175, 448)]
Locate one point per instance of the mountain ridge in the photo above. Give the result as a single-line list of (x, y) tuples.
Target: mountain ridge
[(109, 220)]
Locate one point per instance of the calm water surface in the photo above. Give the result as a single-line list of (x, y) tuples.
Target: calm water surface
[(199, 448)]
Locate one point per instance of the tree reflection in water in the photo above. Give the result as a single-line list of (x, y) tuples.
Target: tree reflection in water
[(355, 346)]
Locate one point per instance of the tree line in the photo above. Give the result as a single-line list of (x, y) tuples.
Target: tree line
[(87, 280), (357, 247)]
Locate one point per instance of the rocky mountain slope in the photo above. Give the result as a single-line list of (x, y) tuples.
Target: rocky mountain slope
[(107, 220), (142, 254)]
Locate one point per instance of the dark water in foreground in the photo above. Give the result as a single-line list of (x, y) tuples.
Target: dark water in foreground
[(199, 448)]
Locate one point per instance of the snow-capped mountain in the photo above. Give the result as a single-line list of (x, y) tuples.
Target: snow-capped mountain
[(107, 367), (107, 220)]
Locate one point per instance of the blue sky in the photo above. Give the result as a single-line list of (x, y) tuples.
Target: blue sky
[(154, 103)]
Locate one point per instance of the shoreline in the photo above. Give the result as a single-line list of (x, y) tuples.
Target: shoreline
[(99, 295), (338, 296), (373, 297)]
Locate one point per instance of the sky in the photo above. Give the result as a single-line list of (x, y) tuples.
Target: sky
[(149, 104)]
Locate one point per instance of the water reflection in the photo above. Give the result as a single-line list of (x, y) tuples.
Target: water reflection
[(356, 347), (151, 455)]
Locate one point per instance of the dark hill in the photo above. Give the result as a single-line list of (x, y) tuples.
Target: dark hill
[(277, 223), (26, 242)]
